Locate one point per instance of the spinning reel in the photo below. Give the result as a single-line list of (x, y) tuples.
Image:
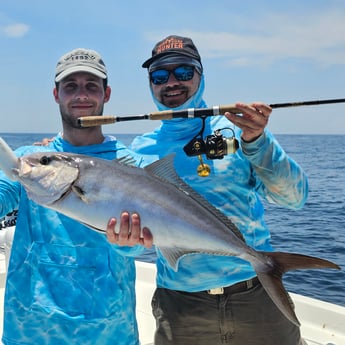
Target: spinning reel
[(214, 146)]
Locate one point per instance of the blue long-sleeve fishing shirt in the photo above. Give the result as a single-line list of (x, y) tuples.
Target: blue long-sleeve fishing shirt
[(236, 184), (66, 283)]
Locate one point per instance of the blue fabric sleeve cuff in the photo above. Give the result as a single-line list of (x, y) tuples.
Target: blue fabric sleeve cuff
[(250, 149)]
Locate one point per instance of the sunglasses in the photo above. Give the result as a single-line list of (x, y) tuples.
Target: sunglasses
[(181, 73)]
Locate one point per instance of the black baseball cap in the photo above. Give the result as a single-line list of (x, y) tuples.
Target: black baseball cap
[(173, 45)]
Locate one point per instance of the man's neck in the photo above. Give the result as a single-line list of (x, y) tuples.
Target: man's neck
[(83, 137)]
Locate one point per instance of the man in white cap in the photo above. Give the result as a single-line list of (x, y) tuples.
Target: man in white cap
[(66, 284)]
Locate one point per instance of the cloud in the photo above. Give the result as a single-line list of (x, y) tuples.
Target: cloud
[(15, 30), (315, 37)]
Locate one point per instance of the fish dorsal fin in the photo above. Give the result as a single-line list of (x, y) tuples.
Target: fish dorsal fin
[(164, 169)]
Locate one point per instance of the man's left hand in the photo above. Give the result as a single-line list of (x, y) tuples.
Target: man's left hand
[(252, 121), (130, 233)]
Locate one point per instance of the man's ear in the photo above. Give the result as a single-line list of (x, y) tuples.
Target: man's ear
[(107, 94), (56, 97)]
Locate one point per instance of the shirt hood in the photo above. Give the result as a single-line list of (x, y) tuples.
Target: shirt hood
[(183, 127)]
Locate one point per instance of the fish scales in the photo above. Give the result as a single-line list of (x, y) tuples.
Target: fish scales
[(164, 207)]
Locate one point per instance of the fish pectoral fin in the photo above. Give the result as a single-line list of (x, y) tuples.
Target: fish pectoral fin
[(173, 255), (80, 193)]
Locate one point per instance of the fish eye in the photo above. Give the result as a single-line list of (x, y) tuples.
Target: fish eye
[(45, 160)]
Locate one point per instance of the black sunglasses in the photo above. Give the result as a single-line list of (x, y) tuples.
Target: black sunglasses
[(181, 73)]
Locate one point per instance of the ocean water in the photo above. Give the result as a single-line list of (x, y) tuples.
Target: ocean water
[(317, 229)]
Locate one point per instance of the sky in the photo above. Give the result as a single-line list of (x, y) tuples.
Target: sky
[(252, 50)]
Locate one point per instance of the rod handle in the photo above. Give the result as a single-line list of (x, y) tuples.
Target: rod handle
[(91, 121), (231, 108), (161, 115)]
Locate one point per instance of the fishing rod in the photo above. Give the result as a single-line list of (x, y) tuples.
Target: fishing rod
[(90, 121)]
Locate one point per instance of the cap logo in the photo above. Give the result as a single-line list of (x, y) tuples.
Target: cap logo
[(173, 45), (170, 43), (80, 57)]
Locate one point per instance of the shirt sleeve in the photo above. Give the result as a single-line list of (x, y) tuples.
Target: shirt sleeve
[(279, 179), (133, 252), (9, 194)]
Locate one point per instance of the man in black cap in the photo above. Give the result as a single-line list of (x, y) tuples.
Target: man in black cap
[(213, 299)]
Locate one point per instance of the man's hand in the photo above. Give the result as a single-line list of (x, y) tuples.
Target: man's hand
[(130, 233), (253, 120), (44, 142)]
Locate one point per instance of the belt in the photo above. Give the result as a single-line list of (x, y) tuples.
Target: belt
[(238, 287)]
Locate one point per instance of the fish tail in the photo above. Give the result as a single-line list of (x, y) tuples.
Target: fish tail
[(271, 277)]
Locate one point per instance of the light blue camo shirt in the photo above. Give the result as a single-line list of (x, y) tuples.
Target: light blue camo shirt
[(237, 183), (66, 284)]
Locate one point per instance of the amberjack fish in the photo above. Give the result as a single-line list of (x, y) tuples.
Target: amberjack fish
[(92, 190)]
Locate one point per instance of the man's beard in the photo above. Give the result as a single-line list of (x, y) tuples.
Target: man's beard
[(172, 103), (72, 121)]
